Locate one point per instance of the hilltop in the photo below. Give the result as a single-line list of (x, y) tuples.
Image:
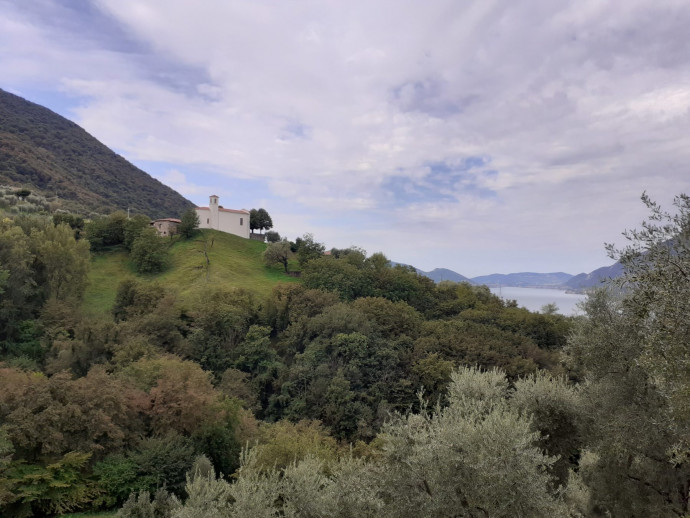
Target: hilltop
[(234, 262), (44, 151)]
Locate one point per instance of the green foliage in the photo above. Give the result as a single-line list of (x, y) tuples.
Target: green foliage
[(43, 262), (330, 274), (48, 417), (140, 505), (20, 292), (135, 299), (632, 351), (155, 463), (277, 253), (630, 464), (190, 224), (132, 229), (4, 276), (556, 412), (64, 261), (117, 477), (40, 490), (27, 342), (75, 222), (309, 249), (284, 443), (163, 461), (477, 457), (273, 237), (149, 252), (352, 275), (259, 220), (103, 232), (221, 320), (656, 267)]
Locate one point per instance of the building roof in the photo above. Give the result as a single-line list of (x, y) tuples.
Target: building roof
[(172, 220), (242, 211)]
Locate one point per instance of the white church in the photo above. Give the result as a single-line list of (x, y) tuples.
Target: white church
[(216, 217)]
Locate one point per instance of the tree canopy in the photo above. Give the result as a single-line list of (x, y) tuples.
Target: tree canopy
[(259, 220)]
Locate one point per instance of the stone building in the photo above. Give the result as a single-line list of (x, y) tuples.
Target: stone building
[(166, 226)]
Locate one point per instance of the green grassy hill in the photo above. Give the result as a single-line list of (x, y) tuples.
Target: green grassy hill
[(42, 151), (234, 262)]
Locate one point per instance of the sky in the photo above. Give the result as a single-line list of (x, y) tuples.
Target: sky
[(480, 136)]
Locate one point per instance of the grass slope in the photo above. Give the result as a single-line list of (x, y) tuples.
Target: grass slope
[(234, 262)]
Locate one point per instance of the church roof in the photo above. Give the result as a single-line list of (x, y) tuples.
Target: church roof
[(242, 211)]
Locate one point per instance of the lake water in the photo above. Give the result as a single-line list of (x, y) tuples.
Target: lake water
[(534, 298)]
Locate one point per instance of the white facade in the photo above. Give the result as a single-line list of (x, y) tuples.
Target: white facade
[(226, 220)]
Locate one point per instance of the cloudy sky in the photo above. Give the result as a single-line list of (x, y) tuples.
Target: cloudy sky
[(482, 136)]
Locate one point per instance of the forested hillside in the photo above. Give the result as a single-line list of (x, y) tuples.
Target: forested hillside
[(39, 149), (364, 389)]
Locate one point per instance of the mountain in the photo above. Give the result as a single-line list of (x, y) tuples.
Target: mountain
[(444, 274), (437, 274), (42, 150), (523, 279), (596, 278)]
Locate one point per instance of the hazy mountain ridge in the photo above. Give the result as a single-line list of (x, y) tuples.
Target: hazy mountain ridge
[(42, 150), (523, 279), (444, 274), (520, 280), (595, 278), (556, 280)]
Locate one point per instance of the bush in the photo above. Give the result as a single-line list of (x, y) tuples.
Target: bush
[(272, 236), (149, 252)]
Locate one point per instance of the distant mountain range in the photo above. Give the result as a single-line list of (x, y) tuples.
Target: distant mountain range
[(42, 151), (444, 274), (523, 279), (596, 278), (560, 280)]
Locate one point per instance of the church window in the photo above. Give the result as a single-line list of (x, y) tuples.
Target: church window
[(207, 220), (241, 219)]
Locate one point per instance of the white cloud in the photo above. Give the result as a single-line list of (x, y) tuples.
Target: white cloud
[(577, 108)]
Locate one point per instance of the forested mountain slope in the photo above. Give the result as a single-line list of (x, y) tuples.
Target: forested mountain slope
[(42, 150)]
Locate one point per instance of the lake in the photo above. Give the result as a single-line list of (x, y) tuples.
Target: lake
[(534, 298)]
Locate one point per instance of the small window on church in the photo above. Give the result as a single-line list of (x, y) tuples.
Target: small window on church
[(207, 220), (241, 219)]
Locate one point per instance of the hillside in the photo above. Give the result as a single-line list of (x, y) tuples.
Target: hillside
[(234, 262), (444, 274), (593, 279), (42, 150)]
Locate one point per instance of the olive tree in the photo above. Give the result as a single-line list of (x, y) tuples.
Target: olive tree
[(632, 351), (278, 253)]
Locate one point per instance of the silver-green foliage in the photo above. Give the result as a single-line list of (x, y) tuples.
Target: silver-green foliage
[(633, 351), (476, 457)]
